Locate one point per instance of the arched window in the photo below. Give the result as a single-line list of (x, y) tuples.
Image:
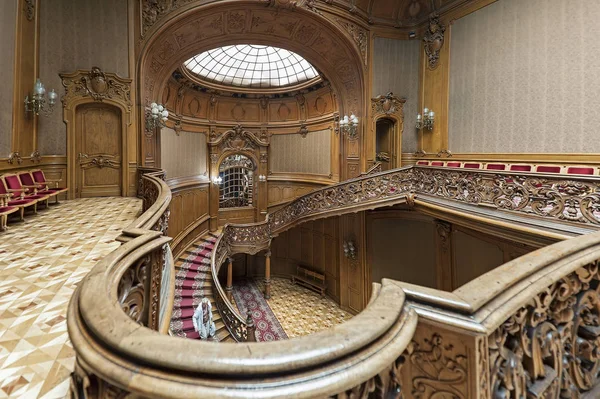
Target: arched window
[(237, 174)]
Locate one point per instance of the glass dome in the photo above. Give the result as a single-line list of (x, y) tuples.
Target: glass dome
[(249, 65)]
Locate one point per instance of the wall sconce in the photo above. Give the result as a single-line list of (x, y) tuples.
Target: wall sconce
[(349, 125), (14, 157), (156, 117), (349, 250), (38, 100), (217, 180), (262, 178), (426, 121)]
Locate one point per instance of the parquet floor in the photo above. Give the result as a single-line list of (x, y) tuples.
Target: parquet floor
[(41, 262)]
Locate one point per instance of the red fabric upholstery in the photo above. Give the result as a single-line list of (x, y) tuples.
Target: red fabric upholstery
[(22, 202), (495, 166), (520, 168), (423, 163), (13, 183), (578, 170), (437, 163), (39, 177), (548, 169), (26, 179), (472, 165), (453, 164), (6, 210), (3, 189)]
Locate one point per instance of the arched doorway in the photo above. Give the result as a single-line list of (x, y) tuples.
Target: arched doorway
[(385, 143), (236, 182)]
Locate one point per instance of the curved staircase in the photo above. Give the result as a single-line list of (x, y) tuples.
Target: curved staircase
[(193, 282)]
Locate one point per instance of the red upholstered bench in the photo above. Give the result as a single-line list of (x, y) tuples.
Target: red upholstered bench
[(40, 178), (548, 169), (520, 168), (19, 201), (424, 163), (453, 164), (472, 165), (5, 210), (580, 170), (495, 166), (437, 163)]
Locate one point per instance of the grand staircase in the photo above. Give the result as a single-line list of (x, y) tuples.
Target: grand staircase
[(194, 282)]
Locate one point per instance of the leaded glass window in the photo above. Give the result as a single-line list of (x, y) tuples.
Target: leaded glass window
[(236, 190), (250, 65)]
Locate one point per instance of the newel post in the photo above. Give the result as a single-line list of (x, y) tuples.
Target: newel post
[(268, 275), (229, 287), (250, 328)]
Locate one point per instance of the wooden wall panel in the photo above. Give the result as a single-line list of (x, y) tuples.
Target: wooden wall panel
[(183, 154), (293, 153), (8, 20)]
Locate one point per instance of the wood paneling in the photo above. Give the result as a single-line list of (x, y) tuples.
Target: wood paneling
[(281, 192), (293, 153), (183, 154), (8, 21), (54, 167), (314, 245)]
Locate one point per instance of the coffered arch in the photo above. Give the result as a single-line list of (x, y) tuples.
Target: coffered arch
[(202, 27)]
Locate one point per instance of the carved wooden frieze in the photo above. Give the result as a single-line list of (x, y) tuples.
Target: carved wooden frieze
[(434, 41), (237, 139), (29, 8), (388, 104), (98, 85)]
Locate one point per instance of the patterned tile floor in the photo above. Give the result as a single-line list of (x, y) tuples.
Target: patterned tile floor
[(301, 311), (41, 262)]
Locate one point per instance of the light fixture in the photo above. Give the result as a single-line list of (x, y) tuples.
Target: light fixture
[(349, 249), (156, 116), (426, 120), (217, 180), (262, 178), (38, 100), (349, 125)]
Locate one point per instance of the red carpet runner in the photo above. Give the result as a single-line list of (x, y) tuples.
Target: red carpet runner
[(248, 296)]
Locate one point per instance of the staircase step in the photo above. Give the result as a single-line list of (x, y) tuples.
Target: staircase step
[(189, 293), (188, 303), (183, 274), (229, 338), (221, 335), (188, 324), (189, 265), (206, 253)]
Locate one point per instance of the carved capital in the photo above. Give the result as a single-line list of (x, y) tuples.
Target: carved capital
[(434, 41)]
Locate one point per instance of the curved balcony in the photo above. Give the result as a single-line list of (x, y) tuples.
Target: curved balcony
[(529, 327)]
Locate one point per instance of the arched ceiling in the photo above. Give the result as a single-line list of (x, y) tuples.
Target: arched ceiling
[(396, 13)]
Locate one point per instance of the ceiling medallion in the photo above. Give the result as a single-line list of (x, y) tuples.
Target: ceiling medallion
[(434, 41)]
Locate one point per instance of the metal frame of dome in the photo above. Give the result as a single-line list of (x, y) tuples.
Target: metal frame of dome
[(252, 66)]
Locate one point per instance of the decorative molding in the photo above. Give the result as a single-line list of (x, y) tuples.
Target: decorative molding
[(237, 139), (177, 126), (98, 85), (359, 35), (35, 156), (443, 229), (446, 153), (420, 153), (434, 41), (303, 130), (14, 156), (388, 104), (29, 8)]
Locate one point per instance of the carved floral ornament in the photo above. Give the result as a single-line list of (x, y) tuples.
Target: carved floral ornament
[(388, 104), (98, 85), (434, 41), (237, 139)]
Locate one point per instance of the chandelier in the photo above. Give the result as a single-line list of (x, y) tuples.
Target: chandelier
[(38, 102), (156, 116), (426, 120), (349, 125)]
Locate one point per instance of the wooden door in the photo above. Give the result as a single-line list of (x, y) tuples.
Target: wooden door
[(98, 151)]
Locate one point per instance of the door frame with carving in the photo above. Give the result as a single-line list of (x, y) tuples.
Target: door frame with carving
[(389, 107), (94, 86)]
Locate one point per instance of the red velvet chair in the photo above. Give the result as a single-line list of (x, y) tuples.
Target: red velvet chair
[(472, 165), (424, 163), (495, 166), (580, 170), (42, 189), (5, 210), (19, 202), (40, 178), (520, 168), (548, 169), (453, 164), (437, 163), (19, 190)]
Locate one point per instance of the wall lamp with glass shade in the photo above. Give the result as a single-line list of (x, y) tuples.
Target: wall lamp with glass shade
[(40, 100), (349, 125), (156, 117)]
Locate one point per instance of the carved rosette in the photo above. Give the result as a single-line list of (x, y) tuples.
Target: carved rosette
[(98, 85), (549, 347), (434, 41)]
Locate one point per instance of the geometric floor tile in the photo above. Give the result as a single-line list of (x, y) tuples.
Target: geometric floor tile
[(41, 262)]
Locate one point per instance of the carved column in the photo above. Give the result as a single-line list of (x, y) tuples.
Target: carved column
[(443, 255), (268, 275), (229, 287)]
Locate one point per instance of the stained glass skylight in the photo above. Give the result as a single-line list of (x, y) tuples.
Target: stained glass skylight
[(250, 65)]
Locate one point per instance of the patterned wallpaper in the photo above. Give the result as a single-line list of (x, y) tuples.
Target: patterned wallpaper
[(8, 18), (525, 77), (396, 69), (292, 153), (78, 35), (183, 155)]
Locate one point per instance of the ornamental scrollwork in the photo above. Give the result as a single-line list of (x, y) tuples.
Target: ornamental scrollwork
[(434, 41), (98, 85), (386, 384), (388, 104), (549, 347), (131, 292), (359, 36), (29, 8)]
